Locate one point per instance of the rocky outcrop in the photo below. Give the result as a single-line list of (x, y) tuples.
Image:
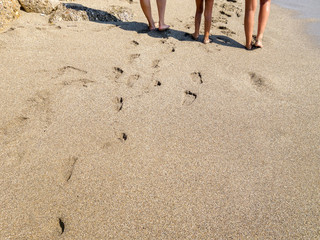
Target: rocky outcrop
[(122, 13), (39, 6), (9, 10), (77, 12), (62, 13)]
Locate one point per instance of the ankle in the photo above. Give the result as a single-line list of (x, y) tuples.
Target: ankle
[(248, 46), (259, 37)]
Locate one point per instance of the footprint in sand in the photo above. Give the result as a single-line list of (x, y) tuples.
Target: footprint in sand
[(226, 31), (61, 225), (222, 27), (157, 83), (133, 57), (123, 137), (117, 72), (224, 13), (197, 77), (68, 167), (10, 30), (220, 19), (134, 42), (260, 83), (40, 101), (171, 45), (155, 63), (12, 128), (188, 26), (82, 81), (224, 40), (132, 80), (65, 69), (38, 107), (189, 98), (231, 7), (118, 103)]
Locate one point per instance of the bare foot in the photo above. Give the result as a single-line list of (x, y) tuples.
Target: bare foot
[(206, 40), (195, 36), (248, 47), (258, 43), (152, 27), (163, 27)]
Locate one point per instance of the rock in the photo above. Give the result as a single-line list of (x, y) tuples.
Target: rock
[(9, 10), (124, 14), (77, 12), (39, 6), (62, 13)]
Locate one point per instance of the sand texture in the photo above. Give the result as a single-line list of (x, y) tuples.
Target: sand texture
[(108, 131)]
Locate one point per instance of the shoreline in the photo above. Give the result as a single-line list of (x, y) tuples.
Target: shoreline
[(312, 31)]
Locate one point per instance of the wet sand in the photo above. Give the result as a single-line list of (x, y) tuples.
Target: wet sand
[(110, 132), (309, 11)]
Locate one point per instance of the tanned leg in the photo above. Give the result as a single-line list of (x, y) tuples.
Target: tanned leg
[(161, 10), (207, 18), (250, 9), (197, 18), (263, 19), (146, 8)]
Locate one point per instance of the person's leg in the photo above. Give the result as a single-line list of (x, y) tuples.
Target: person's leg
[(197, 18), (250, 9), (207, 18), (161, 10), (146, 8), (263, 19)]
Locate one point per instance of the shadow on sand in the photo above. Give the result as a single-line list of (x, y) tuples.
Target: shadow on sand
[(104, 17)]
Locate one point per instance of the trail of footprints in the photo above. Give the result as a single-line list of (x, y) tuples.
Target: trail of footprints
[(118, 72), (41, 103)]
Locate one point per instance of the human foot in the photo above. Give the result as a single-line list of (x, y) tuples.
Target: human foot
[(248, 47), (258, 43), (152, 27), (206, 40), (163, 27), (194, 36)]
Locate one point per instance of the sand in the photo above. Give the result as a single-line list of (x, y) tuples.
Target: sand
[(109, 132)]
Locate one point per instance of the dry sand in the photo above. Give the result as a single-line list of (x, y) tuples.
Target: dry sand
[(108, 132)]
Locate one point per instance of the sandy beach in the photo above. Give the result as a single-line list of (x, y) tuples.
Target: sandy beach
[(108, 131)]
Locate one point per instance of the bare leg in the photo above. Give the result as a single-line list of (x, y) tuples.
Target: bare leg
[(197, 18), (263, 18), (161, 10), (207, 18), (146, 8), (251, 6)]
